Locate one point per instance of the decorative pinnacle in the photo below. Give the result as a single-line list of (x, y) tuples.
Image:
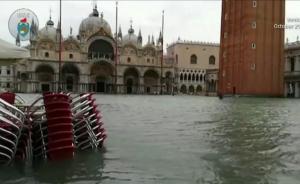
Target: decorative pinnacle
[(50, 12)]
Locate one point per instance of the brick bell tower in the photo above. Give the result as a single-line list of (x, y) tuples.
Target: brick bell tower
[(251, 48)]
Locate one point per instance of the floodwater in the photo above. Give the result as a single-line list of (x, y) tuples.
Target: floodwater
[(183, 140)]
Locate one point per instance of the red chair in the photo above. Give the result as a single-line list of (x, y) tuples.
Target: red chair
[(8, 97)]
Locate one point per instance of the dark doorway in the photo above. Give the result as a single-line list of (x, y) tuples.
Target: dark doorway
[(45, 87), (129, 85), (148, 90), (70, 83), (100, 87)]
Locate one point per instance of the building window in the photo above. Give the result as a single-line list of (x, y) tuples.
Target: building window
[(46, 54), (226, 16), (8, 72), (148, 60), (71, 56), (253, 25), (224, 54), (254, 4), (292, 64), (212, 60), (193, 59), (128, 60), (176, 59), (8, 85), (253, 45), (225, 35), (252, 66)]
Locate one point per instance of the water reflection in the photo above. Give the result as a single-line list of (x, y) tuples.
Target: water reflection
[(86, 166), (246, 142)]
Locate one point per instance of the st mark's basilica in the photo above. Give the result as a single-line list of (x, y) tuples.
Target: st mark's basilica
[(91, 62)]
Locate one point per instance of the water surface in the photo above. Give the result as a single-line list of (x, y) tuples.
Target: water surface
[(182, 140)]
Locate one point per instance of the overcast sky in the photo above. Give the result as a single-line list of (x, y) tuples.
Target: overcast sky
[(189, 20)]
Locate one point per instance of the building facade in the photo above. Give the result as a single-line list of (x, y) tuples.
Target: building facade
[(292, 70), (6, 77), (94, 60), (197, 65), (252, 49)]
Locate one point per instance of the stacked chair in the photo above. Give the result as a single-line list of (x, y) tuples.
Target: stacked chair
[(52, 127), (88, 126), (12, 129)]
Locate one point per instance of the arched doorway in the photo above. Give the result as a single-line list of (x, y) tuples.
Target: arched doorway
[(101, 77), (45, 77), (23, 86), (191, 89), (131, 80), (199, 89), (70, 77), (70, 83), (129, 86), (183, 89), (151, 82), (169, 81)]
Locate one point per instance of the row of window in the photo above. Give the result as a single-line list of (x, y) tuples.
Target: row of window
[(148, 60), (47, 55), (211, 60), (7, 72), (7, 85), (192, 77), (198, 71)]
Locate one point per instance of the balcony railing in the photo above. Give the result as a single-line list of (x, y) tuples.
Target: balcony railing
[(292, 74), (96, 56)]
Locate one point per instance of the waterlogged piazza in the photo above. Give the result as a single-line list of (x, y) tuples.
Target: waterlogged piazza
[(150, 92), (182, 139)]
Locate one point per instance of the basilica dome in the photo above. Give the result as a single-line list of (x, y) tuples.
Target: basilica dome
[(48, 32), (93, 24), (130, 37)]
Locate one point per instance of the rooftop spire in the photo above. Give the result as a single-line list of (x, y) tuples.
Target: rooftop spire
[(71, 30), (50, 22), (131, 30), (50, 16), (120, 32), (95, 12)]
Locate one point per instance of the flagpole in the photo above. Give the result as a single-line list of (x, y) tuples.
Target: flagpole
[(162, 54), (116, 54), (60, 47)]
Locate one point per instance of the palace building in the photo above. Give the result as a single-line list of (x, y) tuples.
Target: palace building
[(292, 69), (197, 66), (251, 48)]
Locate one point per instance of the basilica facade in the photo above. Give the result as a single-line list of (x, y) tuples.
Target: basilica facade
[(95, 60)]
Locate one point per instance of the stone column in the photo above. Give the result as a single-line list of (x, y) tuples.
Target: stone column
[(297, 63), (297, 90), (141, 86), (287, 64)]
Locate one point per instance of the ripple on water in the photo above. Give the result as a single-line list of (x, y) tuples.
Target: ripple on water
[(183, 140)]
